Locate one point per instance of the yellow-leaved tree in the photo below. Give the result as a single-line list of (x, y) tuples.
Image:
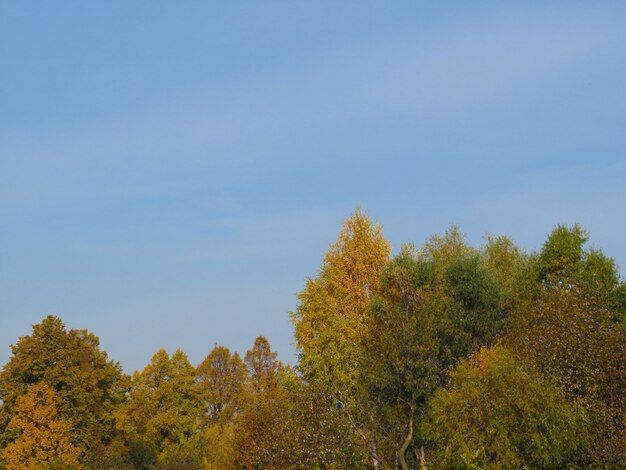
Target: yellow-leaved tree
[(42, 438), (334, 310), (160, 418)]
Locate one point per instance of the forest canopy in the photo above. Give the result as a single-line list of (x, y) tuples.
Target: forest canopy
[(440, 356)]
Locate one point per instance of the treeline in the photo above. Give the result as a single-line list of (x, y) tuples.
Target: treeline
[(443, 356)]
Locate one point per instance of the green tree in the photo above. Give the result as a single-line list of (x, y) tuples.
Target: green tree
[(402, 366), (435, 307), (498, 413), (562, 255), (188, 453), (315, 432), (566, 262), (516, 273), (465, 295)]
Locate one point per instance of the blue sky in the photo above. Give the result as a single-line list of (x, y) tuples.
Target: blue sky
[(171, 172)]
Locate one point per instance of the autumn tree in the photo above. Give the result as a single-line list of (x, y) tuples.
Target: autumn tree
[(88, 386), (159, 419), (573, 332), (573, 340), (445, 356), (257, 430), (334, 310), (221, 386), (289, 424), (263, 368), (40, 437), (315, 432), (335, 305), (220, 382)]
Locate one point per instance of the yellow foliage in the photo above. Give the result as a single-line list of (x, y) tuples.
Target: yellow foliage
[(42, 438), (330, 321)]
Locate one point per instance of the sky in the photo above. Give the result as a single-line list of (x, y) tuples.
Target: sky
[(172, 172)]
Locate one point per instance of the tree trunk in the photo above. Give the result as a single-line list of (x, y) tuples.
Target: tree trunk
[(406, 444), (374, 453)]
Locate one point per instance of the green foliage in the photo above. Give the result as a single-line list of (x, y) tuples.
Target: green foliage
[(465, 293), (475, 290), (565, 262), (498, 413), (402, 369), (162, 409), (434, 307), (569, 338), (562, 254), (618, 305), (142, 453), (502, 258)]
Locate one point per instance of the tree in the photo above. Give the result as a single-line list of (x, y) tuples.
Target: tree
[(220, 383), (465, 295), (401, 365), (335, 305), (263, 368), (333, 312), (475, 294), (434, 307), (188, 453), (499, 413), (257, 430), (42, 438), (88, 386), (565, 262), (221, 386), (315, 432), (162, 409), (573, 340), (515, 272), (562, 255), (288, 424)]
